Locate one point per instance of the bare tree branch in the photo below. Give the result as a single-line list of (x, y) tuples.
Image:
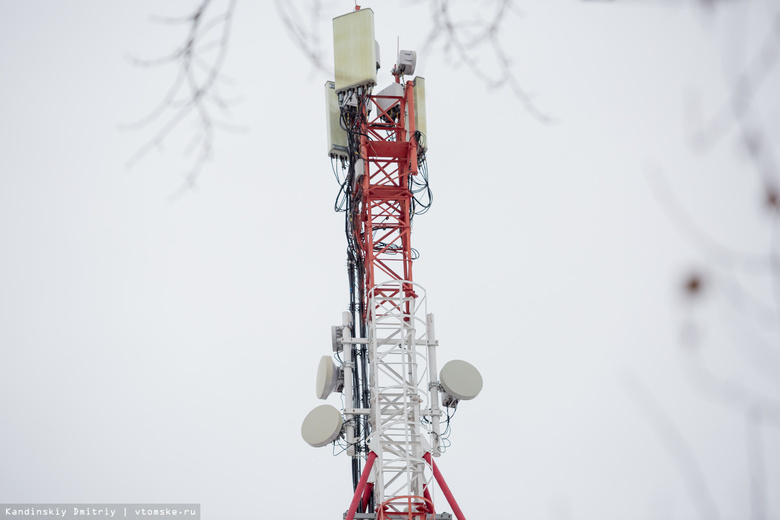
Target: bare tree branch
[(744, 91), (676, 446), (199, 60), (305, 36), (755, 449), (712, 248), (462, 40), (465, 39)]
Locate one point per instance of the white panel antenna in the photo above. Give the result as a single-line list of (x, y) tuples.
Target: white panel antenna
[(337, 136), (355, 50), (420, 122)]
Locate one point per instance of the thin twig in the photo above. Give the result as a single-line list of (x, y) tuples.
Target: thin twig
[(676, 446), (466, 40), (199, 60)]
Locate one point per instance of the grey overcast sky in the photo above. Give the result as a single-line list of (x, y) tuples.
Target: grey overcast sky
[(154, 350)]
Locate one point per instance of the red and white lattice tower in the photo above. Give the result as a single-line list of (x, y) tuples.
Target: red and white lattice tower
[(385, 348)]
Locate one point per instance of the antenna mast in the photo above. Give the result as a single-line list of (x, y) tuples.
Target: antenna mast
[(384, 359)]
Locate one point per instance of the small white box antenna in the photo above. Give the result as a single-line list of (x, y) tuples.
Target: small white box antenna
[(407, 62)]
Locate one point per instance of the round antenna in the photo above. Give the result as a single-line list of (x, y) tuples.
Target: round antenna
[(322, 426), (460, 380), (327, 377)]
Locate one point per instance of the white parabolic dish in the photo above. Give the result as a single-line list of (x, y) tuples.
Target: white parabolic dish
[(326, 377), (460, 379), (322, 426)]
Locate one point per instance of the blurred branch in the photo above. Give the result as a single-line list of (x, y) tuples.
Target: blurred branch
[(306, 36), (729, 392), (755, 450), (466, 39), (702, 239), (745, 89), (743, 116), (676, 446), (195, 91)]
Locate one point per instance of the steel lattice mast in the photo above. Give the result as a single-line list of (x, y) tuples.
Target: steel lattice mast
[(386, 346)]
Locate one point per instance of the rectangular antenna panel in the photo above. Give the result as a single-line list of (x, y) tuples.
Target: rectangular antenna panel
[(420, 123), (337, 136), (354, 49)]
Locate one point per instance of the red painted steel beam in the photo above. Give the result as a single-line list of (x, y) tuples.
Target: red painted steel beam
[(444, 488), (367, 495), (388, 149), (360, 487), (427, 496), (383, 222)]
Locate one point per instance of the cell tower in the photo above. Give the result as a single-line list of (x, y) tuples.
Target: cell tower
[(384, 351)]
